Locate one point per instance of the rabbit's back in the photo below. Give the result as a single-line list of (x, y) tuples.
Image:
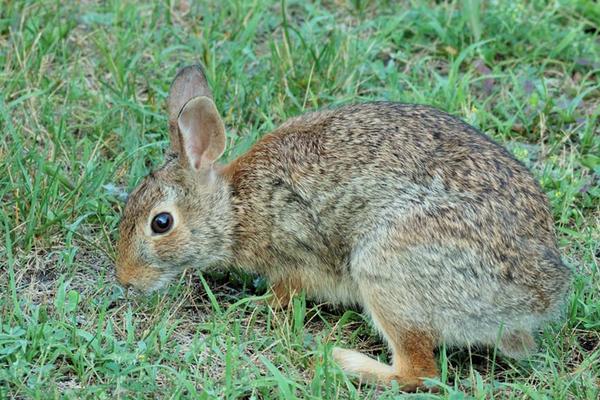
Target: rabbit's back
[(332, 181)]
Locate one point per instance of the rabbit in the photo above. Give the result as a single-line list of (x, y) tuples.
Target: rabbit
[(405, 211)]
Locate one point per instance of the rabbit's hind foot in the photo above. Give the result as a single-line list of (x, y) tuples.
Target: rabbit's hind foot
[(413, 361)]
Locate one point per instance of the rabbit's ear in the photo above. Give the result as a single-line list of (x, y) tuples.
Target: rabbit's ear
[(190, 82), (201, 133)]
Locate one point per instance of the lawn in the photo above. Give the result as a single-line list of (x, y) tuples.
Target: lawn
[(82, 117)]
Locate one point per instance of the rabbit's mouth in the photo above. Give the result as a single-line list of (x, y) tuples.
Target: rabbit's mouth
[(148, 283), (143, 278), (161, 281)]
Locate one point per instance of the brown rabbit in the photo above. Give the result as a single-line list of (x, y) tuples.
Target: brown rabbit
[(429, 226)]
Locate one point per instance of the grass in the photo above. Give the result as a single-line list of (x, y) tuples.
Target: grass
[(82, 117)]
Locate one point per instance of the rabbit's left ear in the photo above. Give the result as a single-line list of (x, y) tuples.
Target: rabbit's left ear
[(201, 133)]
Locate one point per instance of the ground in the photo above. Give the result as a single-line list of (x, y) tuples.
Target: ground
[(82, 118)]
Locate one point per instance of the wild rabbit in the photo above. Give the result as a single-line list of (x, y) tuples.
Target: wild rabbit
[(431, 227)]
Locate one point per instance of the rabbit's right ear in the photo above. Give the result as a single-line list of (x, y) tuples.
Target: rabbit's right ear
[(189, 82)]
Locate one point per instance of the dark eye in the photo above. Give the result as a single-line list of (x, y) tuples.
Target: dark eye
[(162, 223)]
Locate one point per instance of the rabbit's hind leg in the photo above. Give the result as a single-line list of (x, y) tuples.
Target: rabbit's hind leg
[(412, 351), (410, 364), (412, 347)]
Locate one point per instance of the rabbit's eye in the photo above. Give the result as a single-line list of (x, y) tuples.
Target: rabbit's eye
[(162, 222)]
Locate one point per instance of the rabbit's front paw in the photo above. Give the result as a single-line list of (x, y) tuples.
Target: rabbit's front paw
[(283, 291)]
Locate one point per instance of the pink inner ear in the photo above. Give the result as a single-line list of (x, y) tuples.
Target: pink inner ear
[(201, 132), (197, 164), (194, 160), (198, 144)]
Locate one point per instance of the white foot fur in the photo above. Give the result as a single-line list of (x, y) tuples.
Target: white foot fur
[(362, 366)]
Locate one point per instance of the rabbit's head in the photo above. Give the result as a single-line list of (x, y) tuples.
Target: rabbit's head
[(178, 216)]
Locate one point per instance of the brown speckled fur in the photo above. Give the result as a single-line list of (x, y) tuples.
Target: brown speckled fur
[(436, 231)]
